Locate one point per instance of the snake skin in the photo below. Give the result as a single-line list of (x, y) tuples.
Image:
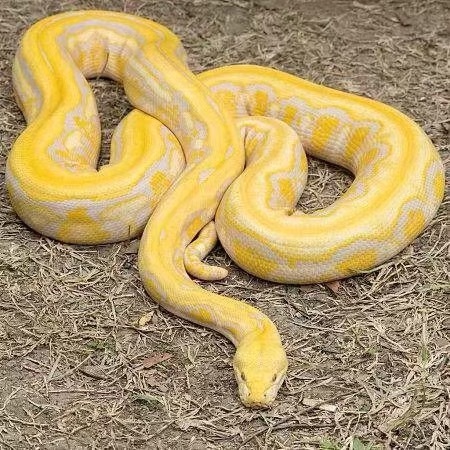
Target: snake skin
[(177, 162)]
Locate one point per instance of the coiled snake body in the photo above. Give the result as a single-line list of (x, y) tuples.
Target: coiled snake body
[(199, 130)]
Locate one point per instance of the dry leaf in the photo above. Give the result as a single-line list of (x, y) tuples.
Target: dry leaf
[(150, 378), (145, 319), (151, 361), (318, 402), (132, 248), (150, 400), (333, 286), (93, 371)]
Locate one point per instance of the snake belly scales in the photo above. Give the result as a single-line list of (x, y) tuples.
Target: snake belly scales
[(177, 163)]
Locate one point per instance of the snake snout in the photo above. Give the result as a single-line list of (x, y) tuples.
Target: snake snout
[(258, 396), (258, 401)]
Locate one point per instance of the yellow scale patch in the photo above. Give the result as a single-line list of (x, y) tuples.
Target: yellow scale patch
[(290, 113), (287, 190), (79, 222), (439, 184), (323, 129), (266, 265), (356, 138), (261, 102), (201, 315), (160, 182), (194, 226), (414, 224), (353, 263)]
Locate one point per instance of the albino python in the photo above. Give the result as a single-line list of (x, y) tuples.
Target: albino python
[(174, 158)]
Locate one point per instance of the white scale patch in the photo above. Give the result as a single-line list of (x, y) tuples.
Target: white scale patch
[(204, 175)]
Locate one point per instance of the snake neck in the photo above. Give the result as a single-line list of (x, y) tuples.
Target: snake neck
[(177, 293), (264, 331)]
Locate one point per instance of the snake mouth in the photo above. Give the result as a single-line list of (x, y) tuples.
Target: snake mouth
[(257, 404), (258, 398)]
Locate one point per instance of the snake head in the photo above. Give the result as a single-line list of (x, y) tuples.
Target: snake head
[(260, 365)]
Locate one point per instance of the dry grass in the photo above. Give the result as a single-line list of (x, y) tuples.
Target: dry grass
[(76, 369)]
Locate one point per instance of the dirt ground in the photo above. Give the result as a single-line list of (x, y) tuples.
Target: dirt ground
[(368, 357)]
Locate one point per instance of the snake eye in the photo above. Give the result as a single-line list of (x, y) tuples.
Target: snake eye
[(242, 376), (274, 378)]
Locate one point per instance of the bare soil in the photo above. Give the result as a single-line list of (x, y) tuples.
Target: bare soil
[(368, 356)]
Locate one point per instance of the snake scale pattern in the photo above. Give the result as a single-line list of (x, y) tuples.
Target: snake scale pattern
[(177, 163)]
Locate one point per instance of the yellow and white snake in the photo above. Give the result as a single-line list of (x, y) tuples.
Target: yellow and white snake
[(177, 162)]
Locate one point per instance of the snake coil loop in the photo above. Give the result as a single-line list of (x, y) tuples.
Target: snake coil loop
[(200, 130)]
